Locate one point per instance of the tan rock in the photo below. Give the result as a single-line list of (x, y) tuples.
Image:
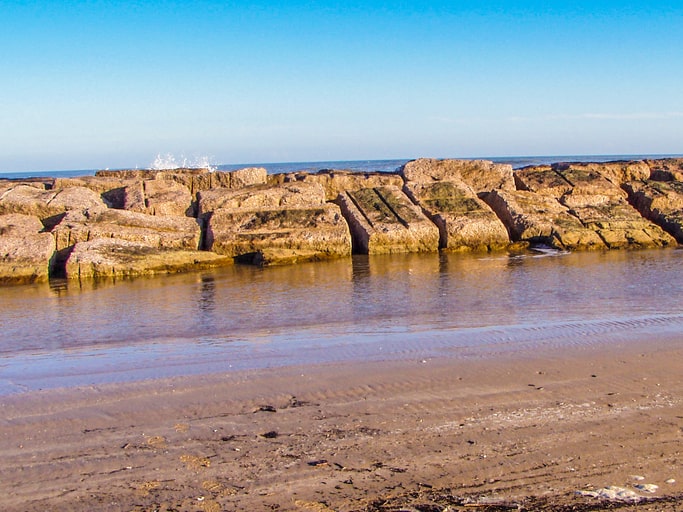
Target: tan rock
[(618, 223), (25, 252), (163, 232), (586, 180), (661, 202), (384, 220), (264, 197), (617, 172), (48, 203), (99, 184), (480, 175), (541, 219), (207, 180), (112, 257), (542, 180), (465, 222), (39, 183), (666, 169), (247, 177), (311, 233), (335, 182), (196, 180), (158, 197), (137, 174)]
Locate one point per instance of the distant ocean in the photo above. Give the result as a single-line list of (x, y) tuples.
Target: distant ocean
[(358, 165)]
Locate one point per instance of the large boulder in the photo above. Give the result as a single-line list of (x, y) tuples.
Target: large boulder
[(283, 235), (279, 224), (480, 175), (661, 202), (617, 172), (592, 193), (157, 197), (112, 190), (465, 222), (99, 184), (39, 183), (111, 257), (616, 222), (162, 232), (335, 181), (542, 180), (196, 180), (240, 178), (47, 204), (666, 169), (263, 197), (384, 220), (25, 252), (587, 180), (541, 219)]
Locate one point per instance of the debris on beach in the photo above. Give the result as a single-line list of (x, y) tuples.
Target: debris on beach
[(613, 493), (647, 487)]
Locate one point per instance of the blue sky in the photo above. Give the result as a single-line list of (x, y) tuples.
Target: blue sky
[(112, 84)]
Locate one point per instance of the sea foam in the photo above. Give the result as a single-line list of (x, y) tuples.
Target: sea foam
[(169, 161)]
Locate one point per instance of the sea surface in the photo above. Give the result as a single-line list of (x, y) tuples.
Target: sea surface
[(168, 161), (406, 307)]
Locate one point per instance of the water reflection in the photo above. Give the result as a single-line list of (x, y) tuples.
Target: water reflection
[(358, 300), (207, 294)]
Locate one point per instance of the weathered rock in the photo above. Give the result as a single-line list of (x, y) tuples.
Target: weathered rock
[(666, 169), (99, 184), (661, 202), (586, 180), (298, 234), (263, 197), (141, 174), (247, 177), (335, 182), (39, 183), (45, 204), (111, 257), (25, 252), (196, 180), (598, 203), (112, 190), (617, 172), (158, 197), (384, 220), (162, 232), (465, 222), (542, 180), (541, 219), (480, 175), (616, 222)]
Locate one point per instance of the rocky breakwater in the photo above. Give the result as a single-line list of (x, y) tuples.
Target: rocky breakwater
[(282, 223), (578, 206), (121, 223)]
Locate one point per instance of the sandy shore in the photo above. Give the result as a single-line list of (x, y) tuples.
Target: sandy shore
[(549, 430)]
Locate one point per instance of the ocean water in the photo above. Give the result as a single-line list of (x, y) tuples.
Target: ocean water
[(354, 165), (409, 307)]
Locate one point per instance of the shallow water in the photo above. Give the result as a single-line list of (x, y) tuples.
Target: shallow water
[(360, 308)]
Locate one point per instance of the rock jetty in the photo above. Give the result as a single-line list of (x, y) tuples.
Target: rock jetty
[(124, 223)]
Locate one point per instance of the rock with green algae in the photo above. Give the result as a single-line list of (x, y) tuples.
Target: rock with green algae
[(118, 258), (384, 220)]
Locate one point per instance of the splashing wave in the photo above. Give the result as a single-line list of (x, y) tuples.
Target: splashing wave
[(169, 161)]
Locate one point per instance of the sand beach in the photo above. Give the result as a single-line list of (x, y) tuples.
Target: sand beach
[(584, 428)]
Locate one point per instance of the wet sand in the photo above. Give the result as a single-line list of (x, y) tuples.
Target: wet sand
[(546, 429)]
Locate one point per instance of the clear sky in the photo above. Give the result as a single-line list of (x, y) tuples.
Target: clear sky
[(97, 84)]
